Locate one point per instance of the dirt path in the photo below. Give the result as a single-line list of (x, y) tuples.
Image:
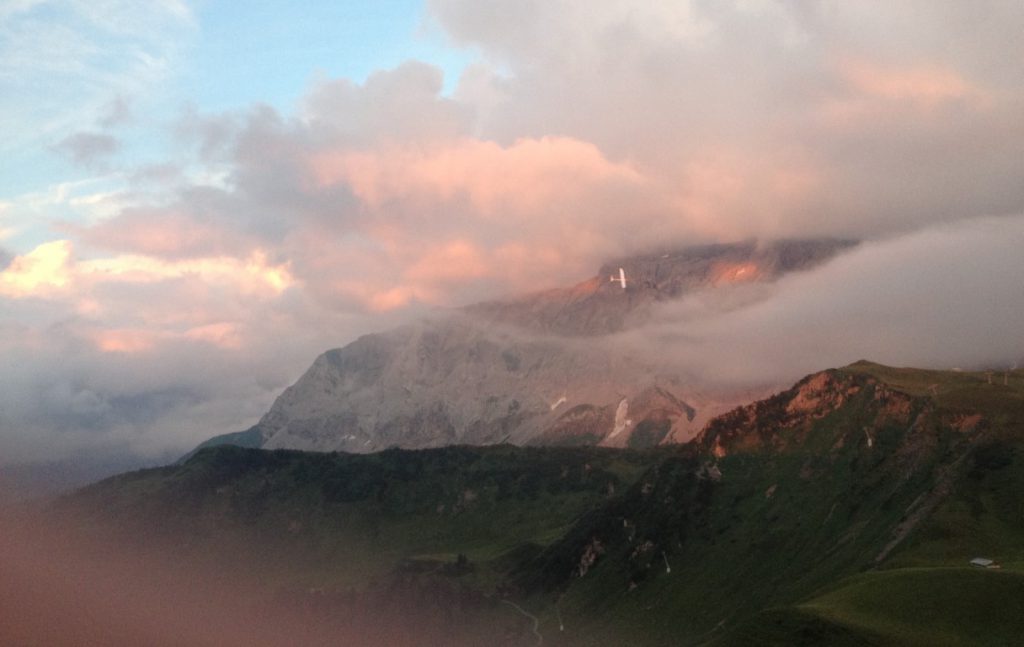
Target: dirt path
[(536, 621)]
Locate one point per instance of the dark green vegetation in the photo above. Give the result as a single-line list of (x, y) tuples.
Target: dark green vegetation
[(251, 437), (842, 511), (356, 516), (649, 433), (431, 535), (900, 606)]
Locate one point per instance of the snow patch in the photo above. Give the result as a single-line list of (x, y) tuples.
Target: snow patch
[(559, 402), (621, 422)]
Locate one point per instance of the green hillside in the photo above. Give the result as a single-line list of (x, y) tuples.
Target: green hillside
[(331, 520), (906, 606), (842, 511), (251, 438)]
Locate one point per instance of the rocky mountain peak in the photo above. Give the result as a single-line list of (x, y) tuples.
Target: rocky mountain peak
[(601, 305), (781, 421)]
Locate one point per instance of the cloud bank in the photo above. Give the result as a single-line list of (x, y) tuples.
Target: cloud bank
[(946, 297)]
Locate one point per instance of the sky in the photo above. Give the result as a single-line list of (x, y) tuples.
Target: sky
[(196, 198)]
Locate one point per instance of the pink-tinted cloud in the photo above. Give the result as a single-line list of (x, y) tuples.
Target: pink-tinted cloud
[(446, 216), (186, 294), (729, 194), (861, 107), (126, 341), (161, 233), (914, 92), (223, 335), (455, 261), (527, 178), (925, 85)]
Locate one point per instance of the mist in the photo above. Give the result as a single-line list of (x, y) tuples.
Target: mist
[(946, 297), (68, 578)]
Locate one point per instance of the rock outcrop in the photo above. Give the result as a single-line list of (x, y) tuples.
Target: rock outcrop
[(454, 381)]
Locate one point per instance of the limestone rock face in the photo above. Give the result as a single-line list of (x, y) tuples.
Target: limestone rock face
[(459, 381), (540, 369)]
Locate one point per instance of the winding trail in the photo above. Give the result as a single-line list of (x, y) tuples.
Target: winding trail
[(536, 621)]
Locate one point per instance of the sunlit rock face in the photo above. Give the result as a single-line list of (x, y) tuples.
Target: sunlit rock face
[(541, 369), (600, 305), (458, 381)]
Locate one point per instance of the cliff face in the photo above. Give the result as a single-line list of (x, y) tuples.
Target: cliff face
[(456, 382), (534, 370)]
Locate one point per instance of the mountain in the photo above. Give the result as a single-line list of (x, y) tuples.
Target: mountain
[(542, 369), (600, 306), (843, 510), (453, 381)]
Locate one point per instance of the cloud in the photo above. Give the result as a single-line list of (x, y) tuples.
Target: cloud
[(460, 208), (61, 61), (944, 297), (88, 150), (159, 232), (528, 177), (922, 87), (51, 268), (117, 112), (132, 357), (165, 174), (403, 104), (889, 118), (361, 217), (84, 400), (41, 271), (135, 355)]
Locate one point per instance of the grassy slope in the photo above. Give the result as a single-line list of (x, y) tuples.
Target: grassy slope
[(250, 438), (763, 532), (906, 606), (930, 606), (340, 520), (984, 514), (924, 593)]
